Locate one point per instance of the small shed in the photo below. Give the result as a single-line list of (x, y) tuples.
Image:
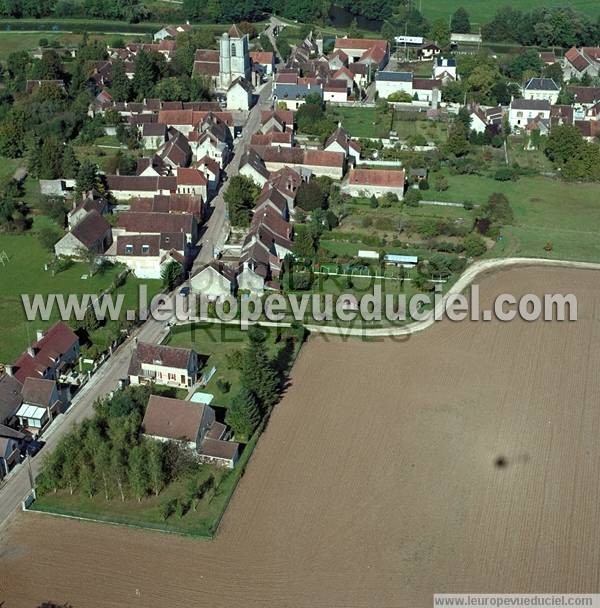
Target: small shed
[(406, 261)]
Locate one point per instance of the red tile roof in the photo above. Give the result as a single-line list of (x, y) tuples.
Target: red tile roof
[(189, 176), (376, 177), (58, 340), (359, 44), (263, 57)]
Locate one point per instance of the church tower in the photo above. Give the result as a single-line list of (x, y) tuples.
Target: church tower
[(234, 60)]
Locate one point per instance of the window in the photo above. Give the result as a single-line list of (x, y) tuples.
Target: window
[(145, 249), (128, 249), (233, 50)]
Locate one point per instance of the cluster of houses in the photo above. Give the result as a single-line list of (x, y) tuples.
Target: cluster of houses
[(387, 83), (189, 423), (31, 392), (538, 110), (339, 76)]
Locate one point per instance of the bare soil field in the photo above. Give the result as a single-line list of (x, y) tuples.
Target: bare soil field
[(376, 484)]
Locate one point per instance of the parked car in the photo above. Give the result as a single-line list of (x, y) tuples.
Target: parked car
[(31, 446)]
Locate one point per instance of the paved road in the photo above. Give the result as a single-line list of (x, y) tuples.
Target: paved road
[(102, 382), (107, 378), (217, 227)]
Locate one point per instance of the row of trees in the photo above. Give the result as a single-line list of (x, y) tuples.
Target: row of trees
[(107, 454), (577, 159), (260, 384)]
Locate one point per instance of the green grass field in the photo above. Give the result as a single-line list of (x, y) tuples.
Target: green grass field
[(362, 122), (482, 11), (217, 342), (13, 41), (24, 274), (545, 210), (146, 513)]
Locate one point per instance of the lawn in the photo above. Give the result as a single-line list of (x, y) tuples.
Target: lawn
[(146, 513), (362, 122), (545, 210), (24, 273), (217, 342), (483, 11), (12, 41)]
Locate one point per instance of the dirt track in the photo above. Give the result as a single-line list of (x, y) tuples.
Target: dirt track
[(375, 484)]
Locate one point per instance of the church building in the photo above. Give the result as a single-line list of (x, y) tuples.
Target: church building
[(226, 65)]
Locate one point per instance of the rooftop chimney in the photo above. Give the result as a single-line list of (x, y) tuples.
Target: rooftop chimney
[(9, 370), (40, 334), (31, 351)]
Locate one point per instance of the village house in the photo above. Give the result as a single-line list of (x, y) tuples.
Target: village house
[(264, 59), (124, 187), (253, 167), (374, 182), (211, 170), (318, 162), (364, 50), (10, 396), (521, 111), (239, 95), (146, 255), (444, 69), (132, 222), (91, 234), (52, 352), (340, 141), (584, 98), (485, 119), (171, 31), (214, 280), (153, 136), (388, 83), (164, 365), (194, 425), (541, 89), (273, 138), (10, 452), (188, 120), (428, 51), (581, 62), (41, 403), (276, 120), (293, 89), (90, 201)]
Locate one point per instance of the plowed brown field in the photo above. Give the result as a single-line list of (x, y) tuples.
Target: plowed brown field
[(375, 484)]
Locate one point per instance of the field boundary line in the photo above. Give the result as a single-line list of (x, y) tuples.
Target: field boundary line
[(464, 281), (112, 522)]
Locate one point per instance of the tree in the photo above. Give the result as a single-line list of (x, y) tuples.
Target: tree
[(243, 415), (565, 142), (70, 164), (149, 68), (474, 246), (412, 197), (311, 196), (457, 143), (170, 274), (240, 196), (120, 85), (138, 473), (87, 178), (441, 183), (498, 209), (460, 22), (439, 32), (48, 237), (156, 466), (258, 376)]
